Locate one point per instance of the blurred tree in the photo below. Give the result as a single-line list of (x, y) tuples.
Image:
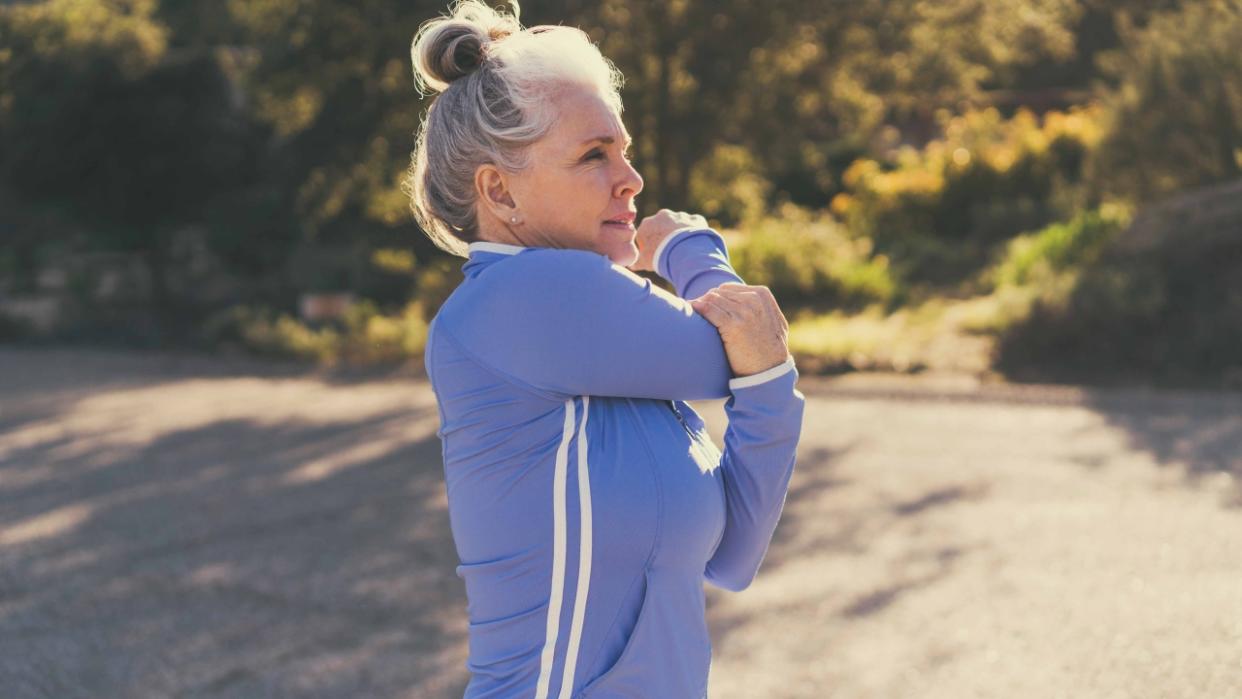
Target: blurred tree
[(103, 122), (334, 83), (806, 87), (1176, 105)]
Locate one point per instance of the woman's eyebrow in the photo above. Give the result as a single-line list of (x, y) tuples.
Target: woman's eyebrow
[(604, 139)]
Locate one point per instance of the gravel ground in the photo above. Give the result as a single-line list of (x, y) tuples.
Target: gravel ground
[(180, 526)]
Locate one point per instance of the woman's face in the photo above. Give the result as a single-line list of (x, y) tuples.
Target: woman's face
[(580, 181)]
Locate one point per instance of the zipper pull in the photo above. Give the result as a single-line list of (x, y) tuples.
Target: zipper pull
[(677, 412)]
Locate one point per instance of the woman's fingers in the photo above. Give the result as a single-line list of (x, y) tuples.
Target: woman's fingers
[(723, 310), (742, 299), (751, 326), (711, 308), (740, 303), (758, 299)]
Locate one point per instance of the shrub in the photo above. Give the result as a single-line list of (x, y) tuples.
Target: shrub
[(1160, 300), (807, 258), (1034, 256), (364, 335), (370, 336), (938, 211), (436, 281), (727, 188), (1172, 114)]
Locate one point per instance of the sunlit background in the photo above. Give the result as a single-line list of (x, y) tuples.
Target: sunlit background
[(1013, 191), (1043, 188)]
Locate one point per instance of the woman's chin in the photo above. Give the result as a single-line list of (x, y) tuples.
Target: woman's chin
[(624, 255)]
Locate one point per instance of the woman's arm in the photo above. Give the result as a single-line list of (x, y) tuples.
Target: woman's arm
[(765, 423), (564, 323), (683, 249), (694, 261)]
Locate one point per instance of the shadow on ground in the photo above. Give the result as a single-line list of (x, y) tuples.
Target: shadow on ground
[(1197, 432), (812, 529), (311, 556), (230, 558)]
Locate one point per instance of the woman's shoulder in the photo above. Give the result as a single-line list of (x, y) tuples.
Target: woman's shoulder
[(527, 285), (555, 269), (569, 258)]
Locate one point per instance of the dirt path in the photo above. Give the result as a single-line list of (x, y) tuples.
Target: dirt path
[(188, 527)]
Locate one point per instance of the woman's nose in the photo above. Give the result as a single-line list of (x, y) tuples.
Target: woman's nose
[(631, 182)]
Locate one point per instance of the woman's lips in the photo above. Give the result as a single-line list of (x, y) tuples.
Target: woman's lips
[(627, 226), (626, 219)]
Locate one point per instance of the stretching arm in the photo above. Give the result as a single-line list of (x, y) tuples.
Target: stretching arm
[(695, 261), (765, 423), (563, 323)]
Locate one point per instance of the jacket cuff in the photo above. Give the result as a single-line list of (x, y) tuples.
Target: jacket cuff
[(688, 247), (766, 376)]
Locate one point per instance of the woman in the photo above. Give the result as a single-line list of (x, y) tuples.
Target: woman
[(587, 502)]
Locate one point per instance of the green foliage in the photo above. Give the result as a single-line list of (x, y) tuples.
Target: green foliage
[(727, 188), (100, 121), (285, 125), (1040, 255), (84, 36), (436, 281), (1042, 267), (332, 81), (370, 336), (1160, 303), (1175, 111), (803, 84), (938, 211), (806, 259), (363, 335), (97, 117)]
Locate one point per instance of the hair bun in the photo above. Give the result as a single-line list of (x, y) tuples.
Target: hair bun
[(450, 47)]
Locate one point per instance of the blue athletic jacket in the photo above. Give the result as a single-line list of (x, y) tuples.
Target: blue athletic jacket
[(586, 500)]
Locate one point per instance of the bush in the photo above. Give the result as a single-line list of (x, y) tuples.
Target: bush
[(727, 188), (371, 337), (1037, 256), (1153, 304), (436, 281), (938, 212), (808, 259), (362, 336), (1173, 115)]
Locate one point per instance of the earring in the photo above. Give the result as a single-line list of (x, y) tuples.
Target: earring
[(513, 219)]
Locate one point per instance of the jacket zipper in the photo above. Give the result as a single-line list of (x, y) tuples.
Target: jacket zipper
[(711, 455), (680, 419)]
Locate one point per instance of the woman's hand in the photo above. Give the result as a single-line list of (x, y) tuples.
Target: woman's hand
[(654, 229), (754, 331)]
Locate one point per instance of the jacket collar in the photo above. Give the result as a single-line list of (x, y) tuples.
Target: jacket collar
[(482, 253), (488, 246)]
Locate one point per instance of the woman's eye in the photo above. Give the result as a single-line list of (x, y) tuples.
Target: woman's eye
[(599, 154)]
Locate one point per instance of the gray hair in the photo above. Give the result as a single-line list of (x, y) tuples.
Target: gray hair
[(496, 80)]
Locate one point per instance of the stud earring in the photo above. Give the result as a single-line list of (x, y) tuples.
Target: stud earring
[(513, 219)]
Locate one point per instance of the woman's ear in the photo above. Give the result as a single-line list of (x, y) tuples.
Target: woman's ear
[(492, 187)]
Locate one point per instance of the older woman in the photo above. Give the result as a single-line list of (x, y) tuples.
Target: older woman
[(586, 500)]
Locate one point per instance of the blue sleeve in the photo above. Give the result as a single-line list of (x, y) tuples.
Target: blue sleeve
[(765, 423), (563, 323), (694, 261)]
